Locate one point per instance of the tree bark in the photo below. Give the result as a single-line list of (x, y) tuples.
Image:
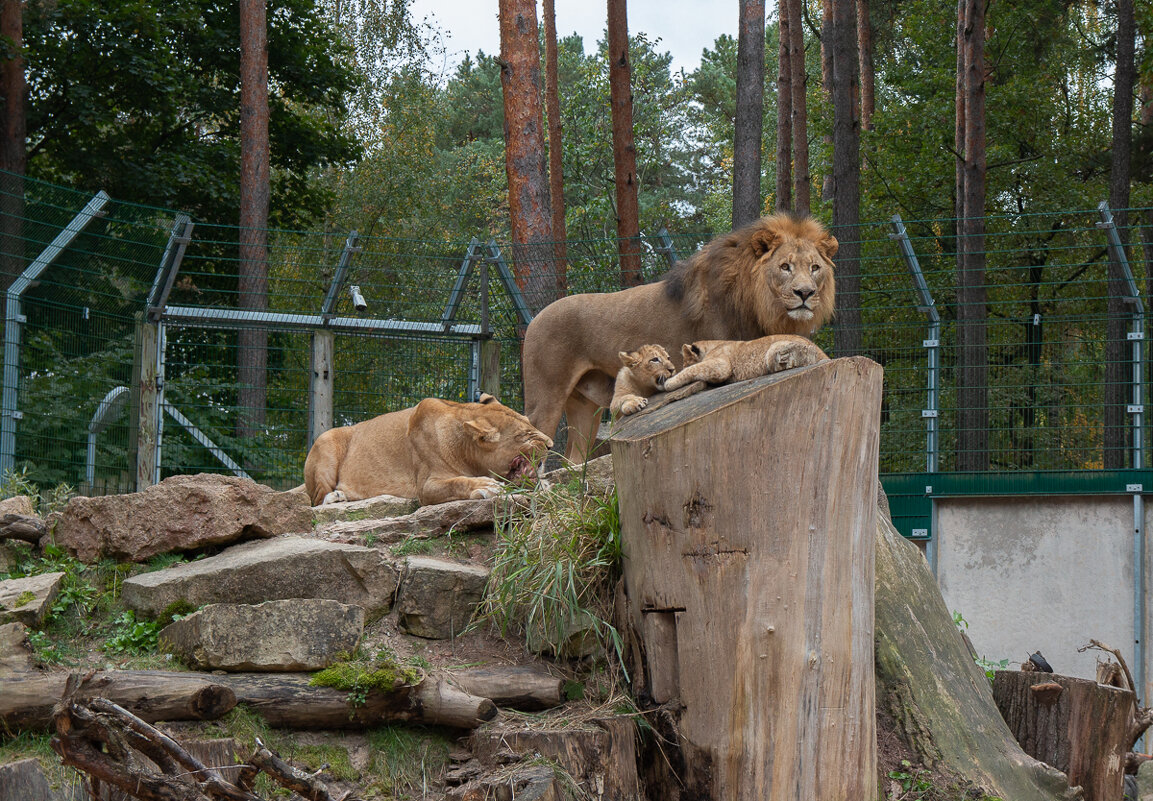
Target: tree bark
[(26, 703), (530, 214), (749, 122), (939, 698), (513, 687), (624, 149), (555, 150), (784, 194), (252, 286), (798, 83), (846, 179), (1117, 386), (972, 356), (1076, 725), (13, 152), (755, 615), (865, 55)]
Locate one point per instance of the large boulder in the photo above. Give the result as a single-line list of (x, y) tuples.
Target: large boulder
[(181, 513), (437, 597), (270, 570), (295, 634), (28, 600)]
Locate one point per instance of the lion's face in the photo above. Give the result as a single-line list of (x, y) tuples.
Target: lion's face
[(800, 279), (650, 365), (506, 443)]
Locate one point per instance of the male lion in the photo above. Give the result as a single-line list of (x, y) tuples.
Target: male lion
[(774, 276), (435, 451), (643, 372), (722, 361)]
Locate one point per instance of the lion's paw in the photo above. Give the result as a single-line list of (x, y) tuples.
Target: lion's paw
[(634, 405), (789, 355), (490, 488), (336, 496)]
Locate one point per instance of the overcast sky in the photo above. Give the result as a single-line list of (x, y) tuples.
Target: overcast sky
[(685, 27)]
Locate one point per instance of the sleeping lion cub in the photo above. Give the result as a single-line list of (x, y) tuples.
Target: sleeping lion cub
[(722, 361), (643, 373)]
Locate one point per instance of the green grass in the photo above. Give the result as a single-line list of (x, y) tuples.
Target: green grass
[(406, 761)]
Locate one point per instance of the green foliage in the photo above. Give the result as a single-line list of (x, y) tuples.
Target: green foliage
[(912, 779), (405, 761), (557, 556), (358, 676), (23, 482), (132, 637)]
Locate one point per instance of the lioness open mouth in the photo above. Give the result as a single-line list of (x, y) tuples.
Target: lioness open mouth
[(520, 468)]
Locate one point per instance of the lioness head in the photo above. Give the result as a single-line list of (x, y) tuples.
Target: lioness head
[(504, 442), (649, 365)]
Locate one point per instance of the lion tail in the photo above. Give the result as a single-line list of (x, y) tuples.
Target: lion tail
[(322, 467)]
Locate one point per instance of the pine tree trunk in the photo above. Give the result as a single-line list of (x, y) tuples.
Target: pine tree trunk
[(624, 150), (784, 193), (865, 54), (1117, 387), (252, 286), (749, 123), (13, 156), (798, 82), (846, 179), (530, 213), (555, 150)]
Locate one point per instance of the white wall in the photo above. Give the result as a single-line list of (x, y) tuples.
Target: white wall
[(1045, 573)]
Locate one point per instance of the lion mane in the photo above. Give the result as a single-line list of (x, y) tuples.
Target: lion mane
[(773, 276)]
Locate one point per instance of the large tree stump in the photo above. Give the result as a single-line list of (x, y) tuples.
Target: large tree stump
[(749, 515), (1076, 725)]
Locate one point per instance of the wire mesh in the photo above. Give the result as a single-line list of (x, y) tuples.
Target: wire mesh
[(406, 335)]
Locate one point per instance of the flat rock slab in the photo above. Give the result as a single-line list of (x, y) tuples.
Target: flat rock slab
[(437, 597), (15, 657), (28, 600), (181, 513), (291, 635), (271, 570), (427, 521), (377, 508)]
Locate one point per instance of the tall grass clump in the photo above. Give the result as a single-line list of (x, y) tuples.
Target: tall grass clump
[(557, 557)]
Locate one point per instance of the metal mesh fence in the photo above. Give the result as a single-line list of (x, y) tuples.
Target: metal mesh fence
[(411, 328)]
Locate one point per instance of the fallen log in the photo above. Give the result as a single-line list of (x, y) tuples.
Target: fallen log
[(514, 687), (22, 527), (26, 701)]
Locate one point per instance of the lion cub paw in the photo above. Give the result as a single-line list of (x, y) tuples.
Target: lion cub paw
[(633, 404), (336, 496), (788, 355), (485, 488)]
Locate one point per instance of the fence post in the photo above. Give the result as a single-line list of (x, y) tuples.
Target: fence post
[(666, 246), (146, 383), (321, 385), (14, 318)]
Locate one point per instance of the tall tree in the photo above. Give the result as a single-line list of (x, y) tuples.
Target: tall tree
[(13, 157), (530, 216), (972, 357), (865, 53), (555, 151), (846, 177), (252, 287), (1116, 364), (784, 194), (624, 149), (749, 124), (798, 82)]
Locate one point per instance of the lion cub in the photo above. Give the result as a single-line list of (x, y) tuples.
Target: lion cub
[(722, 361), (642, 374)]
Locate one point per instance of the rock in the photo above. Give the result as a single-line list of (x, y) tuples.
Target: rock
[(11, 554), (181, 513), (377, 508), (430, 521), (566, 639), (296, 634), (24, 780), (437, 597), (17, 505), (271, 570), (597, 473), (1145, 781), (28, 600), (15, 657)]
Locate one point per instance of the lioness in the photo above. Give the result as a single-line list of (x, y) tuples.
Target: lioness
[(774, 276), (643, 372), (722, 361), (435, 451)]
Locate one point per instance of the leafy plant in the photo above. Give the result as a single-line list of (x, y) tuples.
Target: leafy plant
[(131, 636), (911, 779)]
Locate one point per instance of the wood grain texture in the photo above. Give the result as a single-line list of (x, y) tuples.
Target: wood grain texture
[(749, 514)]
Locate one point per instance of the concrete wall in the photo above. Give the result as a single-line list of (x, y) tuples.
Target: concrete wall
[(1045, 573)]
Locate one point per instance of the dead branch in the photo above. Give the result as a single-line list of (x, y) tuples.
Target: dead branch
[(291, 777), (1100, 646)]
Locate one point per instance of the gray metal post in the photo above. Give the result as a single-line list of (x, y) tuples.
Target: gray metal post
[(504, 274), (14, 318), (178, 242), (1137, 410), (666, 246), (351, 247)]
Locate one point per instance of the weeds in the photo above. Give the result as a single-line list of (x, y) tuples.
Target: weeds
[(132, 637), (13, 483), (406, 762), (558, 553)]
